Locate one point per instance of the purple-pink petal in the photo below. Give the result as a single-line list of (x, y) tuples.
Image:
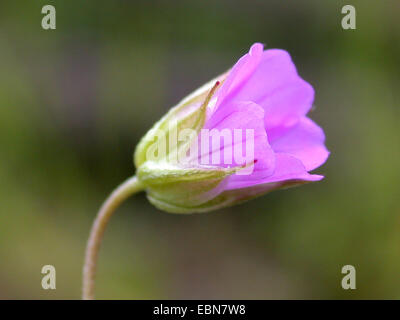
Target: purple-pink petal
[(304, 141), (244, 115), (287, 168), (269, 79), (240, 72)]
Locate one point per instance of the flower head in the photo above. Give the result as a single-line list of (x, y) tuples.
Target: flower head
[(241, 135)]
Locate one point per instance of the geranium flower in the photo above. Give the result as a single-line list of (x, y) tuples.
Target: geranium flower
[(259, 108), (262, 92)]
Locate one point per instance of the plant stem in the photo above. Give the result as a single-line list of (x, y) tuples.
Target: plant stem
[(126, 189)]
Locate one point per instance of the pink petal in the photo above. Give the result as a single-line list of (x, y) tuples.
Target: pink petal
[(241, 71), (243, 115), (305, 141), (287, 169), (271, 81)]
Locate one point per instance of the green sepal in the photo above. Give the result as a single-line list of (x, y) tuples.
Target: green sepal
[(182, 186), (224, 199), (190, 113)]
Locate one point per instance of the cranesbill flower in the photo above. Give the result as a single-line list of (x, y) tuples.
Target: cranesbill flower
[(262, 92), (239, 136)]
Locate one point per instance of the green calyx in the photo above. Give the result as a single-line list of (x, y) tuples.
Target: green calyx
[(190, 114)]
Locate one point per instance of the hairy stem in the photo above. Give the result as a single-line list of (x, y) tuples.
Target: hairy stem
[(126, 189)]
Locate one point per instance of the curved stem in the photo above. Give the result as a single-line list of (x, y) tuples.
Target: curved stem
[(126, 189)]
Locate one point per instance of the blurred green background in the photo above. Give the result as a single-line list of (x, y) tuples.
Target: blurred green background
[(75, 101)]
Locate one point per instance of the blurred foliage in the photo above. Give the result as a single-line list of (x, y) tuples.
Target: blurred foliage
[(75, 101)]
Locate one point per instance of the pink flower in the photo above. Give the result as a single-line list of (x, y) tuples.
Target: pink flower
[(264, 93)]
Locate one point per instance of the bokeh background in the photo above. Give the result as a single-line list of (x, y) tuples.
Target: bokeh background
[(75, 101)]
